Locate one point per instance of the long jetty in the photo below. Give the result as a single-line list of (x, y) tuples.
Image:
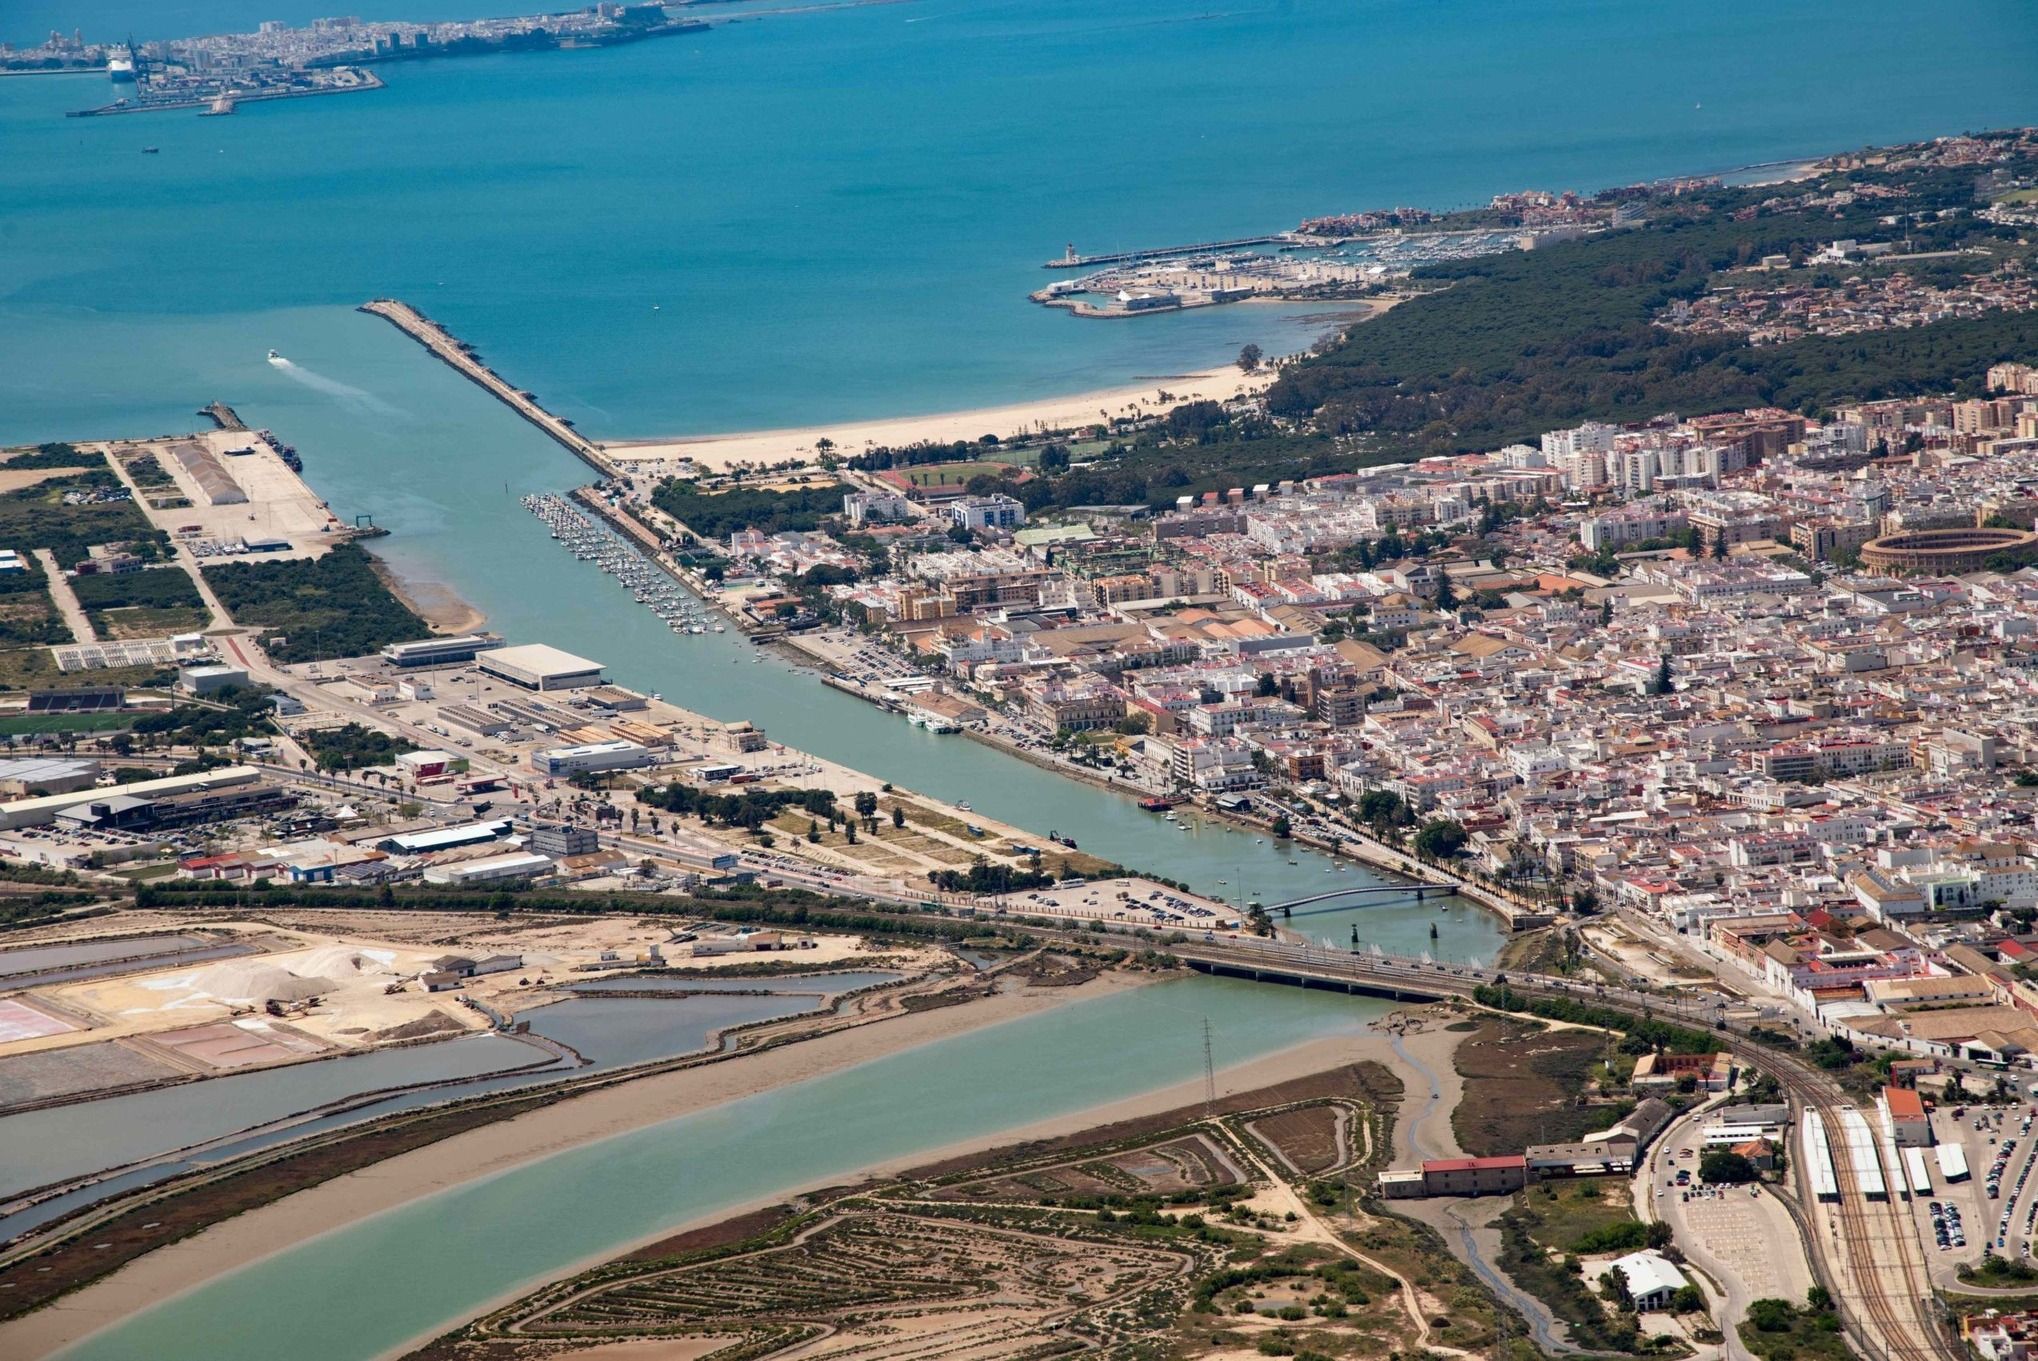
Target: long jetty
[(458, 355), (1071, 260)]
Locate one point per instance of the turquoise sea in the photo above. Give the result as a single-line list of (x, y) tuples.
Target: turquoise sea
[(838, 213)]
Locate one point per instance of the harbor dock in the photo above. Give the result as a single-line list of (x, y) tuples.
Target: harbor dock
[(458, 355), (1071, 260), (223, 416)]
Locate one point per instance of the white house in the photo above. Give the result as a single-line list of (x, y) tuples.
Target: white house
[(1651, 1279)]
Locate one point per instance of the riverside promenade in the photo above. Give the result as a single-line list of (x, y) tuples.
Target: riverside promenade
[(460, 356)]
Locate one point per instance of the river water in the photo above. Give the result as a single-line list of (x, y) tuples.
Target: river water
[(60, 1143), (41, 1147), (359, 1291), (666, 238), (799, 219)]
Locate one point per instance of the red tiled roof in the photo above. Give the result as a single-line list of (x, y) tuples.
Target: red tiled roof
[(1473, 1164)]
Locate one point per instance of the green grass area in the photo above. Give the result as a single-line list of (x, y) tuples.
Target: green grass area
[(147, 472), (717, 515), (161, 588), (957, 474), (140, 622), (1778, 1331), (1590, 1215), (27, 614), (1524, 1085), (33, 668), (140, 874), (25, 725), (353, 746), (1558, 1283), (334, 606), (1999, 1273), (53, 455), (38, 517)]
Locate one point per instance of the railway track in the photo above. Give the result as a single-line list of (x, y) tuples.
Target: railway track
[(1872, 1265), (1881, 1285)]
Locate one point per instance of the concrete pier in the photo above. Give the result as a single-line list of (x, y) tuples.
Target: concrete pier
[(461, 358), (1071, 260)]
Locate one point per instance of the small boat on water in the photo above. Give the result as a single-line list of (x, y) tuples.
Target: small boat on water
[(148, 151), (273, 356)]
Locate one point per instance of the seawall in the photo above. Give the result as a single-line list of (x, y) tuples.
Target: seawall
[(458, 355)]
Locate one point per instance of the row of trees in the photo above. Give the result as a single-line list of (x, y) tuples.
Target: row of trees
[(751, 809)]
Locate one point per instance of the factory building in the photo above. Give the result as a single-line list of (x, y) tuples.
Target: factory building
[(1457, 1177), (21, 776), (439, 651), (592, 757), (444, 838), (40, 812), (560, 840), (1909, 1125), (128, 811), (1651, 1278), (489, 870), (430, 765), (536, 666), (475, 721), (210, 680)]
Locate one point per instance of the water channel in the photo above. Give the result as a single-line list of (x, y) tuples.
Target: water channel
[(190, 1125), (440, 463), (359, 1291)]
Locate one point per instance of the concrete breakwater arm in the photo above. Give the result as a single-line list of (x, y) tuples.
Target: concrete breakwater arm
[(458, 355)]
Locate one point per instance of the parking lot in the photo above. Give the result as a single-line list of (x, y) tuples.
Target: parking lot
[(1999, 1143), (1742, 1237), (1738, 1228), (1139, 902)]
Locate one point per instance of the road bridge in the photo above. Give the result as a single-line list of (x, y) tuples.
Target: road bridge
[(1416, 891)]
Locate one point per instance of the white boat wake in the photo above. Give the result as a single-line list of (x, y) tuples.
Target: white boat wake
[(331, 387)]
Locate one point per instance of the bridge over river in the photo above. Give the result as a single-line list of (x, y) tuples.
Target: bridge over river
[(1310, 906), (1402, 978)]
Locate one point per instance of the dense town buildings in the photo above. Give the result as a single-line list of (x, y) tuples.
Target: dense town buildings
[(1731, 673)]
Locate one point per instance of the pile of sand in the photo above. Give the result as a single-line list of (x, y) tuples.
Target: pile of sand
[(344, 964), (251, 982)]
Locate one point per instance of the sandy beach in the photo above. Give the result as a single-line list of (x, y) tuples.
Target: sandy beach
[(715, 453), (435, 602)]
